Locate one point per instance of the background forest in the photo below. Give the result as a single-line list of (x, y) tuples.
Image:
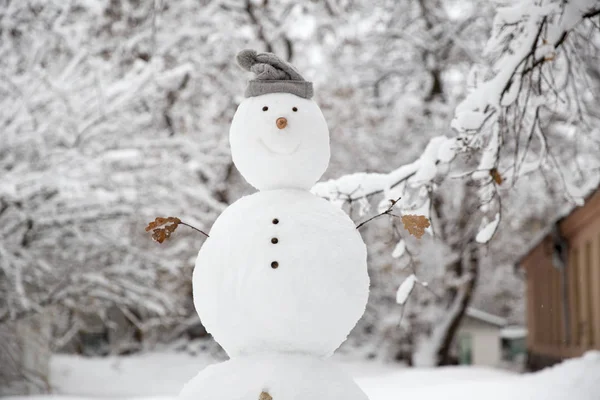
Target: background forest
[(114, 112)]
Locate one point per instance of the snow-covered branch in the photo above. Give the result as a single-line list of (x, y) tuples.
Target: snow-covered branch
[(415, 178), (531, 71), (526, 37)]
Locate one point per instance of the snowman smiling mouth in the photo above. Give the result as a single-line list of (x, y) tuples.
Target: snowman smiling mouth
[(281, 151)]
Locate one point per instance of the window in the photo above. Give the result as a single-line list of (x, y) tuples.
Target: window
[(465, 349)]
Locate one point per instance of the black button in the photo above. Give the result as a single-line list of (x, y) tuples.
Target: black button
[(275, 221), (274, 240), (274, 264)]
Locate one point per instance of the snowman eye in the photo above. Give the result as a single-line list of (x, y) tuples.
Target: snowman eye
[(265, 108), (294, 109)]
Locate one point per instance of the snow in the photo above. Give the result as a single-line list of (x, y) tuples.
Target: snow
[(513, 332), (545, 51), (163, 374), (427, 347), (282, 376), (309, 302), (512, 93), (420, 172), (489, 157), (153, 374), (488, 230), (272, 158), (574, 379), (361, 184), (427, 169), (486, 317), (400, 249), (447, 151), (405, 288), (469, 120)]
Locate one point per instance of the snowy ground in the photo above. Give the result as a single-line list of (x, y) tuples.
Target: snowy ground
[(161, 375)]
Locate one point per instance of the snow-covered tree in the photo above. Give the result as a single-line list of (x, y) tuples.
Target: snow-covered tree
[(532, 84), (104, 127)]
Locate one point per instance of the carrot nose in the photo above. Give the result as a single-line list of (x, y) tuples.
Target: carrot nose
[(281, 122)]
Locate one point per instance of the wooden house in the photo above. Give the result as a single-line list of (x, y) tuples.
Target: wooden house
[(563, 288)]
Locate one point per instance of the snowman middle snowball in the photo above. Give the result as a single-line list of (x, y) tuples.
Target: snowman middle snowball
[(282, 271)]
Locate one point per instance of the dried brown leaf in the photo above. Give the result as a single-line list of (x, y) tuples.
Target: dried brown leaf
[(160, 221), (265, 396), (159, 235), (415, 224), (160, 230), (496, 176)]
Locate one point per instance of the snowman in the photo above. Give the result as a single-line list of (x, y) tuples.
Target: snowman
[(282, 279)]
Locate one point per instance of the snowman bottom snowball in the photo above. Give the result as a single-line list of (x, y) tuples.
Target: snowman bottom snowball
[(275, 376), (282, 271)]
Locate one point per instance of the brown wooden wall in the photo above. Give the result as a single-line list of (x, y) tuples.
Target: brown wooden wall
[(547, 332)]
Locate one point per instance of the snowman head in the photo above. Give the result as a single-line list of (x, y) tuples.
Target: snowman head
[(279, 137)]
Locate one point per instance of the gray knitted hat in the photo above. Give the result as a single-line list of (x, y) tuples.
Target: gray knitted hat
[(273, 75)]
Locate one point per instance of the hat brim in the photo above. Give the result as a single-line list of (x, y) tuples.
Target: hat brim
[(302, 89)]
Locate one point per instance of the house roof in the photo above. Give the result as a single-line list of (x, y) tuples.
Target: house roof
[(513, 332), (486, 317), (562, 213)]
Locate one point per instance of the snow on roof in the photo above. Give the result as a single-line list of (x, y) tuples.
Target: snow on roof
[(486, 317), (563, 212), (513, 332)]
